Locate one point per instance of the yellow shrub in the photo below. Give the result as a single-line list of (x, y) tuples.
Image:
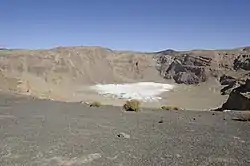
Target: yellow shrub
[(170, 108), (132, 105), (95, 104), (166, 108)]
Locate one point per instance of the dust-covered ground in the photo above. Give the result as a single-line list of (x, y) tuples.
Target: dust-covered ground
[(49, 133)]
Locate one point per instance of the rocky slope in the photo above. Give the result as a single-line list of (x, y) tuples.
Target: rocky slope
[(230, 67), (238, 90), (55, 73), (198, 66)]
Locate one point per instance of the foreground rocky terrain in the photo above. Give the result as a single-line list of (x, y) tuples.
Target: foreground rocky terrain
[(59, 73), (49, 133)]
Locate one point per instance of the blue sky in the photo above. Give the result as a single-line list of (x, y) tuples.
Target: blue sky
[(140, 25)]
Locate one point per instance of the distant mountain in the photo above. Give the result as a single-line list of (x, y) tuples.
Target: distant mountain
[(167, 52)]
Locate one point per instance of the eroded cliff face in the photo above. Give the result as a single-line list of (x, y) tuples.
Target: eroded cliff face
[(194, 67)]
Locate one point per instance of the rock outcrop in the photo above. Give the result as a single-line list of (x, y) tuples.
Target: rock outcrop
[(226, 80), (186, 78), (242, 62), (184, 69), (239, 98), (228, 89), (230, 83), (196, 61), (196, 66), (237, 101)]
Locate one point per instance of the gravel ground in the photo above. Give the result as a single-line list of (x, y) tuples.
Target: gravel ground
[(49, 133)]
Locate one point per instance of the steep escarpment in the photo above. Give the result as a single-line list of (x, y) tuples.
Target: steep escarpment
[(194, 67), (239, 95)]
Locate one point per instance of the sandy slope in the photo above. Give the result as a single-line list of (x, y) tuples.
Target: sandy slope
[(61, 71)]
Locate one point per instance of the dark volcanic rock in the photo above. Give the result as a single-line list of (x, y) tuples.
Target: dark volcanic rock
[(237, 101), (244, 88), (203, 64), (233, 83), (227, 80), (196, 61), (186, 78), (239, 98), (185, 74), (168, 76), (228, 89), (183, 68), (242, 62)]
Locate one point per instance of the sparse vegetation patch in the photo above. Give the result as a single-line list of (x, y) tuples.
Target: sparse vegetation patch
[(95, 104), (168, 108), (132, 105)]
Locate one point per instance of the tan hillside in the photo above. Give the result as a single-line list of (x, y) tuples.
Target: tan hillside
[(62, 70), (64, 73)]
